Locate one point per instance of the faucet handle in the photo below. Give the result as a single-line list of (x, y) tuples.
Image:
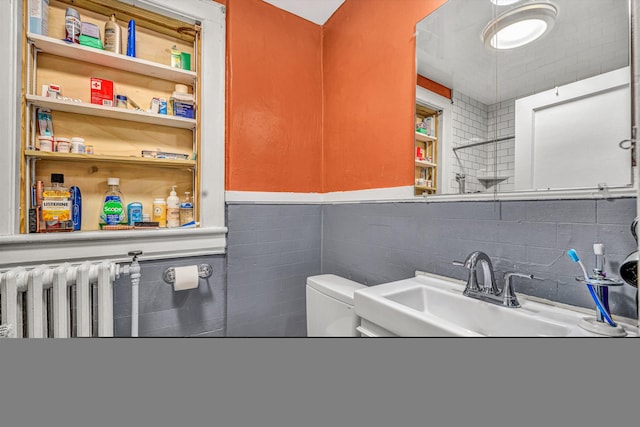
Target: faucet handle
[(509, 274), (509, 298), (459, 263)]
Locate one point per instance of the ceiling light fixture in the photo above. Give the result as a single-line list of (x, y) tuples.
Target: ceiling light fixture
[(519, 26)]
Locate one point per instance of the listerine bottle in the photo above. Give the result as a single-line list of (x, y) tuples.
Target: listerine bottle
[(56, 206), (113, 210)]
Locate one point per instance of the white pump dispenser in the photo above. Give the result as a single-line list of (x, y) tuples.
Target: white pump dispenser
[(173, 209)]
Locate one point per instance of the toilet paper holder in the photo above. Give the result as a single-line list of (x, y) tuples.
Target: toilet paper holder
[(204, 271)]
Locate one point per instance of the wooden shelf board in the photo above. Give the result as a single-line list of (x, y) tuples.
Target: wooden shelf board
[(425, 188), (424, 138), (112, 60), (161, 163), (111, 112), (425, 164)]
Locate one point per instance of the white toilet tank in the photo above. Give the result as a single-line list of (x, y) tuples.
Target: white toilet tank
[(330, 306)]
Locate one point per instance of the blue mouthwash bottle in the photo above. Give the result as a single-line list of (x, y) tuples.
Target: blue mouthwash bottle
[(114, 209)]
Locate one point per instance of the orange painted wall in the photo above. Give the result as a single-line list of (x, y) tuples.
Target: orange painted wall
[(320, 109), (369, 76), (274, 100)]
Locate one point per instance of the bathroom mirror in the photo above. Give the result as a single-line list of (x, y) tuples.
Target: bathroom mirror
[(548, 115)]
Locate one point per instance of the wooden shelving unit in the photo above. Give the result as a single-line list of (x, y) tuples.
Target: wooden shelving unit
[(426, 144), (118, 135)]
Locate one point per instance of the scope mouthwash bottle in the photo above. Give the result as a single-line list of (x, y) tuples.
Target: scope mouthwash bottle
[(114, 209)]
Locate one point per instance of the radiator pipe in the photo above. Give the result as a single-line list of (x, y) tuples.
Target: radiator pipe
[(134, 274), (634, 13)]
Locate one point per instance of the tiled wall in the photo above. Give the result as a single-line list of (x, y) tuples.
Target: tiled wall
[(501, 122), (381, 242), (272, 249), (164, 313), (469, 121), (258, 289), (474, 121)]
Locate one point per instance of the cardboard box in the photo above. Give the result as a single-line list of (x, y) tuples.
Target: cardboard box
[(183, 109), (39, 17), (102, 92), (183, 105)]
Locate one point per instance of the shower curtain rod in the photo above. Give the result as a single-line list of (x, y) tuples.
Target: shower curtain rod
[(489, 141)]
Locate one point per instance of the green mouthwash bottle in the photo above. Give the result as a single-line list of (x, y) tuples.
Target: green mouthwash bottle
[(114, 209)]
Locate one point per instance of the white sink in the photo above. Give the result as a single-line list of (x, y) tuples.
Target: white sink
[(430, 305)]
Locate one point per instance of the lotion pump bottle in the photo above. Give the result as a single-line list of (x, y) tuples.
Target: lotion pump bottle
[(112, 35), (173, 209)]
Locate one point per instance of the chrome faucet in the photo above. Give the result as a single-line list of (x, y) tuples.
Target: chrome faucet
[(489, 283), (489, 291)]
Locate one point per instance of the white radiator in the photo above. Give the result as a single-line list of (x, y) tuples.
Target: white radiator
[(59, 301)]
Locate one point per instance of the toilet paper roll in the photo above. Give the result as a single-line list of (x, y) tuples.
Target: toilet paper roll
[(186, 278)]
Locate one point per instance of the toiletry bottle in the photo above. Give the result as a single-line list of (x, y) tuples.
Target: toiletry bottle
[(131, 39), (186, 209), (72, 24), (112, 35), (56, 206), (76, 207), (113, 210), (134, 212), (175, 57), (173, 209), (160, 212)]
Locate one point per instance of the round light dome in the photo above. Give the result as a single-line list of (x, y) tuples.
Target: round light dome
[(519, 26), (518, 34), (504, 2)]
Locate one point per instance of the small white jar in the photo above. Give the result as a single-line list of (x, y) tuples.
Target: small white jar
[(63, 145), (45, 143), (77, 145)]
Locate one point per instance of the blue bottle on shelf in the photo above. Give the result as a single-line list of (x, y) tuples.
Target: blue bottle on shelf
[(76, 207), (131, 39)]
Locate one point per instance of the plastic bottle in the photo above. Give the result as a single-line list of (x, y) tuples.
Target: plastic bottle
[(72, 25), (56, 206), (173, 209), (113, 210), (160, 212), (131, 38), (76, 207), (134, 212), (112, 35), (175, 57), (186, 209)]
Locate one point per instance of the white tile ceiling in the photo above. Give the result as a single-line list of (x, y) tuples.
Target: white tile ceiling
[(316, 11)]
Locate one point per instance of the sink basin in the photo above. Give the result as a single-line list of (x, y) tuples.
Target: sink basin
[(430, 305)]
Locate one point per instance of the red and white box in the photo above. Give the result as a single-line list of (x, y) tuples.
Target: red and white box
[(102, 92)]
